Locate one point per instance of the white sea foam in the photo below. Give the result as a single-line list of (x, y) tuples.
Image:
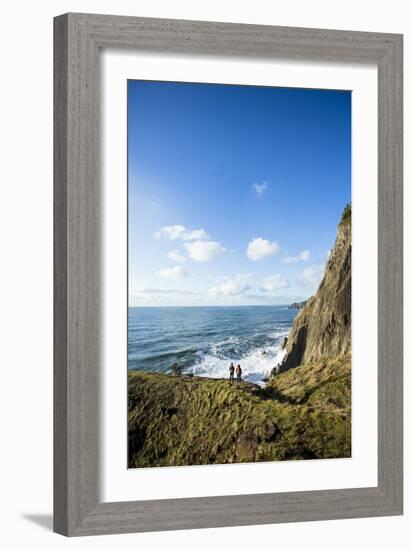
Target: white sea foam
[(256, 364)]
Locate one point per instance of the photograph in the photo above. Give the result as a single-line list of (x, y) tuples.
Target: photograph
[(239, 274)]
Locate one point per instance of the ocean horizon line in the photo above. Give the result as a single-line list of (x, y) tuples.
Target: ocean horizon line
[(215, 306)]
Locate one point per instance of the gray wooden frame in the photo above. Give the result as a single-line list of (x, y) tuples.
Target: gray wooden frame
[(77, 506)]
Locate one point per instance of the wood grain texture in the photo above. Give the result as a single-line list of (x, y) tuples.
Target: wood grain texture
[(60, 277), (78, 39), (390, 273)]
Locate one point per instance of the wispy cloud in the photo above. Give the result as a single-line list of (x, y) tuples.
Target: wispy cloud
[(176, 257), (177, 272), (274, 282), (180, 232), (232, 287), (268, 298), (155, 291), (256, 297), (301, 257), (260, 248), (260, 188), (311, 276), (204, 251)]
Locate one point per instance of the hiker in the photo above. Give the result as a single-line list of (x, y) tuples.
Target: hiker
[(231, 372), (239, 373)]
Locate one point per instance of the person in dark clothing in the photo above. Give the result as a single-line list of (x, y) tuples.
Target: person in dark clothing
[(239, 373), (231, 372)]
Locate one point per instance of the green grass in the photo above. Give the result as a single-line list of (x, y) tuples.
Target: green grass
[(302, 413)]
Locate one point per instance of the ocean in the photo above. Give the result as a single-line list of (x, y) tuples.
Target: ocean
[(204, 340)]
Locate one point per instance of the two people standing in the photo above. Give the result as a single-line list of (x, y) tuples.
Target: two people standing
[(238, 372)]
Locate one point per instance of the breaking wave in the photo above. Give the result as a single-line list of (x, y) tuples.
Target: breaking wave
[(256, 363), (205, 340)]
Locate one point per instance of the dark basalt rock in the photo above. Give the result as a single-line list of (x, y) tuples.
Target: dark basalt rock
[(297, 305)]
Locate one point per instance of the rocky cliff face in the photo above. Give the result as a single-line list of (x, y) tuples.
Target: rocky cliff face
[(323, 326)]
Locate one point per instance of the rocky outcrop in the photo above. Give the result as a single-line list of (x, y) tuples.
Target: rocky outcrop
[(297, 305), (322, 328)]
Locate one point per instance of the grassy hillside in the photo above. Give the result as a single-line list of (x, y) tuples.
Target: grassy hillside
[(302, 413)]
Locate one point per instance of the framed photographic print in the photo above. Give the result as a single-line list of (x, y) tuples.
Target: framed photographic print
[(228, 274), (213, 322)]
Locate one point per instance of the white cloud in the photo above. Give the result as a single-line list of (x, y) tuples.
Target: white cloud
[(232, 287), (177, 272), (204, 251), (311, 276), (154, 291), (260, 188), (261, 248), (275, 282), (176, 257), (179, 232), (301, 257)]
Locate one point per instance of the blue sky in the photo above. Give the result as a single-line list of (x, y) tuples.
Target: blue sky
[(235, 192)]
